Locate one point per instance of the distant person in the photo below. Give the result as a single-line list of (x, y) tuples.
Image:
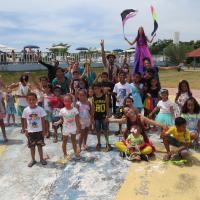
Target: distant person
[(2, 116), (51, 69)]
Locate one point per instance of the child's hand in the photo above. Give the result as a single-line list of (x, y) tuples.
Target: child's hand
[(56, 123)]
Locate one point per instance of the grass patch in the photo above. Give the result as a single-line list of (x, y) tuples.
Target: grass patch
[(169, 79)]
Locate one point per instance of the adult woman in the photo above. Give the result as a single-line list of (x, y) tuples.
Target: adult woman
[(141, 51), (61, 80)]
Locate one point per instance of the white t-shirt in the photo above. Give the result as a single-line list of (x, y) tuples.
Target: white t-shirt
[(165, 106), (33, 117), (122, 92), (69, 123), (22, 90), (47, 98)]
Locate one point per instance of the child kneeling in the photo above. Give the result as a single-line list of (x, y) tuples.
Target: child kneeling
[(179, 137)]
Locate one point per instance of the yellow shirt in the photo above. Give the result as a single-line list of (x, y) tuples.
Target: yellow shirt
[(183, 137)]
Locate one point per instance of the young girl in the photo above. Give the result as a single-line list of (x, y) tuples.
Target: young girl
[(100, 113), (2, 116), (183, 93), (137, 91), (84, 108), (71, 124), (10, 107), (47, 99), (141, 51), (191, 113), (90, 95), (56, 103), (165, 108), (34, 127), (152, 95)]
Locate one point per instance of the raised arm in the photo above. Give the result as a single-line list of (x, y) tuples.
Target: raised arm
[(48, 66), (103, 54), (131, 43)]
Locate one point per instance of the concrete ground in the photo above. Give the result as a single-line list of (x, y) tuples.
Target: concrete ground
[(96, 176)]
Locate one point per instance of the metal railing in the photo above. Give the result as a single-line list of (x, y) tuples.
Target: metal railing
[(25, 58), (48, 57)]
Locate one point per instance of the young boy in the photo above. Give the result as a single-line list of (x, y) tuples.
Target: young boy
[(177, 136), (56, 103), (100, 111), (33, 118)]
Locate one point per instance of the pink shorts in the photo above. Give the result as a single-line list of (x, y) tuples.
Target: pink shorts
[(85, 123)]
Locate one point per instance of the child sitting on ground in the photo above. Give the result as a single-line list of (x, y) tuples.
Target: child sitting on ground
[(177, 136), (135, 145)]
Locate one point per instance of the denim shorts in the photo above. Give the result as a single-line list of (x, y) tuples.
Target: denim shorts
[(101, 125), (173, 141)]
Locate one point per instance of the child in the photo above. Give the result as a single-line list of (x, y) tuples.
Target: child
[(47, 99), (152, 95), (180, 138), (121, 89), (10, 106), (137, 91), (56, 103), (90, 95), (71, 124), (183, 93), (84, 108), (191, 113), (33, 118), (2, 116), (135, 144), (165, 108), (100, 113)]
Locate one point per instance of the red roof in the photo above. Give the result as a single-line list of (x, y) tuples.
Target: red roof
[(193, 54)]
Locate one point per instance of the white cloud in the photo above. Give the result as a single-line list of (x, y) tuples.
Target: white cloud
[(85, 22)]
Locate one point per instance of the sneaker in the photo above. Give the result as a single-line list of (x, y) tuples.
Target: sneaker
[(33, 162)]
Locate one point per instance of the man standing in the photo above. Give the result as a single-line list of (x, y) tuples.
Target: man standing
[(109, 64)]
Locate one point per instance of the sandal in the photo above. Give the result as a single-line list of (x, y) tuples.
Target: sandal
[(33, 162), (167, 157), (43, 162), (98, 147), (108, 148)]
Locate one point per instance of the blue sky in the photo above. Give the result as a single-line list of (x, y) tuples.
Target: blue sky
[(85, 22)]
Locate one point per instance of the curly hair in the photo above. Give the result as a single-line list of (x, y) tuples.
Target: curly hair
[(196, 106)]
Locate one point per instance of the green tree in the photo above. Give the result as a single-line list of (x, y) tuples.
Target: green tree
[(177, 53), (157, 47)]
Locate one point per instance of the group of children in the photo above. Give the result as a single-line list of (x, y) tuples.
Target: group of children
[(78, 107)]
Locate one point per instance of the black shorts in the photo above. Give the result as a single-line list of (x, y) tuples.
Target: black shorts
[(173, 141), (35, 138)]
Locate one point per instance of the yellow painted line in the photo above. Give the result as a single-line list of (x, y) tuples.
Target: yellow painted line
[(2, 149), (158, 180)]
